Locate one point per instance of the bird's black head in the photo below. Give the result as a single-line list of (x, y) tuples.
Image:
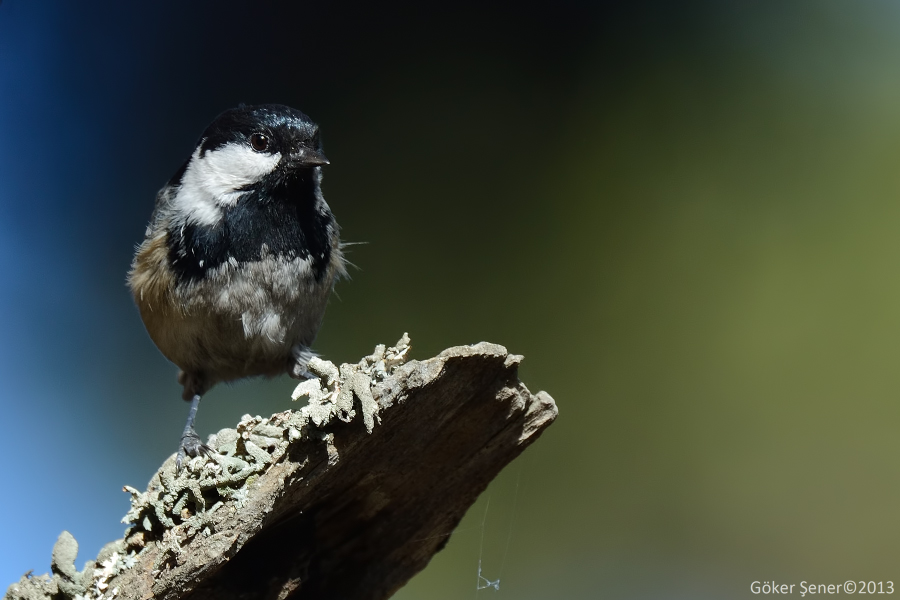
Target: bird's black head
[(251, 188), (263, 153), (267, 129)]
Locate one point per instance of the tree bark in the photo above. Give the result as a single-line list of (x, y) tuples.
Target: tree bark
[(348, 497)]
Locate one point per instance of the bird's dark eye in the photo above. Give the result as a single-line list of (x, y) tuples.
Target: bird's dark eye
[(259, 142)]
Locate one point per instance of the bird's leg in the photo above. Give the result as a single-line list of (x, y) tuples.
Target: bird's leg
[(190, 441)]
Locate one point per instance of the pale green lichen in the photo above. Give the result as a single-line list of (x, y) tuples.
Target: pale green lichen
[(183, 501), (333, 393), (91, 583), (179, 506)]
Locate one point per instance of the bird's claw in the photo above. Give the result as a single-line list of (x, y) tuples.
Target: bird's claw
[(190, 446)]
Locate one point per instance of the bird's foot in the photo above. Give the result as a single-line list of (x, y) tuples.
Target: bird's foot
[(299, 363), (302, 374), (190, 446)]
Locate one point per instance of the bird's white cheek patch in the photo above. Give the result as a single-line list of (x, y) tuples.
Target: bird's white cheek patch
[(233, 166), (214, 180)]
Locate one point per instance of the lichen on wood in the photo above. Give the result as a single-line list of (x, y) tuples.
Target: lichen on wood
[(347, 497)]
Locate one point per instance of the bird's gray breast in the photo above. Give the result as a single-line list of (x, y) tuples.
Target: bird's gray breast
[(263, 308)]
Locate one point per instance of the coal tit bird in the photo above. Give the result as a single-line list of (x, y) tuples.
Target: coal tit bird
[(240, 256)]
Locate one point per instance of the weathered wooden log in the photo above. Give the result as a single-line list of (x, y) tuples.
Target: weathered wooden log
[(348, 497)]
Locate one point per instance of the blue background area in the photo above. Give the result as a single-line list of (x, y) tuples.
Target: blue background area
[(685, 216)]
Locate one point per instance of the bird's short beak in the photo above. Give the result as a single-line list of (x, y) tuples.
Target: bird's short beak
[(304, 157)]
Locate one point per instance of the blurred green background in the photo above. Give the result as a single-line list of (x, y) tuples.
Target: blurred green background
[(685, 215)]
